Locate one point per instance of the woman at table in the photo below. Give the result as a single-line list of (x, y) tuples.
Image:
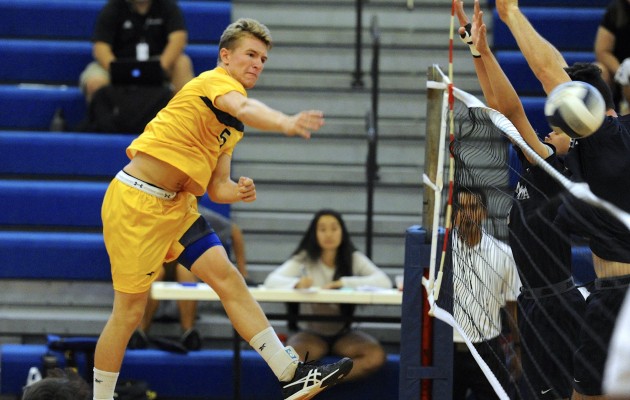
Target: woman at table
[(326, 258)]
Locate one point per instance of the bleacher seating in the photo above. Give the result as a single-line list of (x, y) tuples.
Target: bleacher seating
[(207, 374), (61, 61), (547, 20), (74, 19), (68, 209), (521, 75), (48, 43)]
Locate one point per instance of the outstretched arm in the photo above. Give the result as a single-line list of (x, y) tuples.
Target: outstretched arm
[(258, 115), (543, 58), (505, 98), (465, 31)]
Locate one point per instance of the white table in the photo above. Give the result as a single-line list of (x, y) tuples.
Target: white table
[(203, 292)]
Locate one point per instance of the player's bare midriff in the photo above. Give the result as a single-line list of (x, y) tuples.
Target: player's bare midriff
[(158, 173), (609, 269)]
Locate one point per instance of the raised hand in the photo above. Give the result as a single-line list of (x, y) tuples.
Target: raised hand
[(305, 122), (479, 30)]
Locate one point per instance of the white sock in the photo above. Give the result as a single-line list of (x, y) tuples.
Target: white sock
[(282, 360), (104, 384)]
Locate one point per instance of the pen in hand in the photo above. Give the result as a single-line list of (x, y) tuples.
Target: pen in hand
[(305, 281)]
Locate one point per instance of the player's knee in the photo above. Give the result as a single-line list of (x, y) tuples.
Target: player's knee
[(182, 72), (92, 85), (377, 357), (130, 314)]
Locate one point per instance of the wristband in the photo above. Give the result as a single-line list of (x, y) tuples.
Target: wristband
[(467, 38)]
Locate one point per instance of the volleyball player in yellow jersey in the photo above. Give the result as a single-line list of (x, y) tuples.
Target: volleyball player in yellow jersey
[(150, 210)]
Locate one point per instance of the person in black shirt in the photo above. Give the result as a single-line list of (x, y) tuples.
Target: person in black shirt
[(142, 30), (612, 50)]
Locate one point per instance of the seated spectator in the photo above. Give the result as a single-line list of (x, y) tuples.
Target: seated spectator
[(232, 238), (59, 385), (327, 258), (612, 51), (138, 29)]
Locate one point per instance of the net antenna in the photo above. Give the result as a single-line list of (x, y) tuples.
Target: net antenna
[(433, 283)]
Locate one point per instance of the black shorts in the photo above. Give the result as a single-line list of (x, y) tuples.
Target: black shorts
[(602, 308), (549, 328), (467, 375)]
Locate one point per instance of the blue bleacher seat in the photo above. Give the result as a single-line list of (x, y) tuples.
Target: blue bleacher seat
[(43, 61), (583, 23), (68, 19), (62, 61), (54, 256), (33, 106), (523, 79), (63, 153), (75, 19), (51, 203)]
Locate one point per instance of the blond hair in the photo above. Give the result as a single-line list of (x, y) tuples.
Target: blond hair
[(241, 28)]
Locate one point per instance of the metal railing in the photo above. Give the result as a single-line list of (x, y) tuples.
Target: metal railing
[(372, 135)]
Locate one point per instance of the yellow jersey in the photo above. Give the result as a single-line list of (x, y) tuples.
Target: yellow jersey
[(190, 133)]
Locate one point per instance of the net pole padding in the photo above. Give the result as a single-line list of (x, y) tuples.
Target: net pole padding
[(434, 125), (437, 184)]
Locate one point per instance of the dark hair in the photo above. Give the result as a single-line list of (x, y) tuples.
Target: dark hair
[(592, 74), (309, 243), (59, 385), (473, 191)]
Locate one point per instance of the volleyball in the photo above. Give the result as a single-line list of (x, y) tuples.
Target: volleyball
[(576, 108)]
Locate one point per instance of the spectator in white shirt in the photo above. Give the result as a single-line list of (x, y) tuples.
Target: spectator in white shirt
[(326, 258)]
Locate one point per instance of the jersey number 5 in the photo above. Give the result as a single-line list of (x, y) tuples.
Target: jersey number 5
[(223, 137)]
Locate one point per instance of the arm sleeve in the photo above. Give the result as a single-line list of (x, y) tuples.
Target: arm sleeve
[(216, 85), (287, 275), (608, 20), (175, 20), (366, 273), (105, 27)]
